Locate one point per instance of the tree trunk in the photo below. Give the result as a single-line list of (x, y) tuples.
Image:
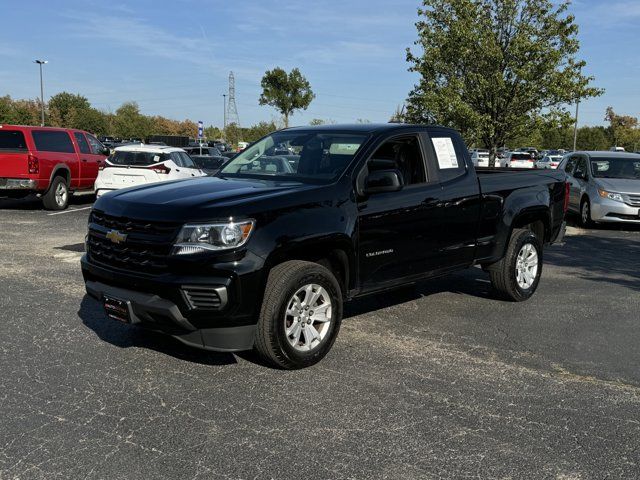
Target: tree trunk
[(286, 120), (493, 152)]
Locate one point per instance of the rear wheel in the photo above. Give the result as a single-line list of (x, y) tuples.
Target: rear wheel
[(300, 315), (517, 275), (57, 197)]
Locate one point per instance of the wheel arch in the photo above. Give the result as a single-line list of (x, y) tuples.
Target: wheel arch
[(334, 253)]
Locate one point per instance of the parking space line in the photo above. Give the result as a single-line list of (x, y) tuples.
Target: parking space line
[(69, 210)]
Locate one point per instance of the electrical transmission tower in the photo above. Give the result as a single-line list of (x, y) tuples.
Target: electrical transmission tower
[(232, 110)]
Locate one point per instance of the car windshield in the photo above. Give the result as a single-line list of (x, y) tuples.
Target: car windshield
[(306, 156), (611, 167), (521, 156), (136, 158)]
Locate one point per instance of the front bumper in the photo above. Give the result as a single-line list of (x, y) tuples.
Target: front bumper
[(159, 314), (172, 303), (605, 210)]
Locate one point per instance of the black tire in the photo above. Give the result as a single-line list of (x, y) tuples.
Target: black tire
[(52, 200), (503, 273), (284, 281), (584, 218)]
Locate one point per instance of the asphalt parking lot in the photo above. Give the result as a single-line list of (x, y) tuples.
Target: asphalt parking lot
[(436, 381)]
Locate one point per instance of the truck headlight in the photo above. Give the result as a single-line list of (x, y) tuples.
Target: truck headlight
[(611, 195), (201, 237)]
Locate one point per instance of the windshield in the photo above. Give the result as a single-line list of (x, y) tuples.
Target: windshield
[(315, 157), (603, 167), (136, 158), (520, 156)]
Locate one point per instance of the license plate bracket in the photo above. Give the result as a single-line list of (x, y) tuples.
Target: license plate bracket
[(116, 308)]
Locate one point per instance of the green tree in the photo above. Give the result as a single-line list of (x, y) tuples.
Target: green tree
[(592, 138), (490, 67), (212, 133), (128, 122), (286, 92), (65, 108), (624, 129), (232, 134), (257, 131)]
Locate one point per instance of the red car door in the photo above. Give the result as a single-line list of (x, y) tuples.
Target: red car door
[(55, 149), (88, 161), (97, 156)]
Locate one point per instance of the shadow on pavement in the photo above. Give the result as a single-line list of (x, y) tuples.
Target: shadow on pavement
[(31, 202), (126, 336), (472, 282)]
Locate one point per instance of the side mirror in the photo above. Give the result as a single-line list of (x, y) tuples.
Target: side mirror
[(380, 181), (105, 151)]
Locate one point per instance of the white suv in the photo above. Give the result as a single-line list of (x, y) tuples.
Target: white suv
[(132, 165)]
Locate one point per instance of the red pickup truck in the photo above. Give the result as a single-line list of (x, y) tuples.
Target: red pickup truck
[(50, 162)]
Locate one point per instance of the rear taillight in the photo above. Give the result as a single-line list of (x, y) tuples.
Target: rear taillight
[(33, 163), (567, 189), (161, 169)]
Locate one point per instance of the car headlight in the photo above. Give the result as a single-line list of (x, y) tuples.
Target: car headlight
[(611, 195), (202, 237)]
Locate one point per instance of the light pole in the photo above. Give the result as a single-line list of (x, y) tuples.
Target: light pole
[(224, 111), (575, 126), (40, 63)]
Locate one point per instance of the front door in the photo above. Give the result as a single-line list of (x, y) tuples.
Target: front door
[(398, 231)]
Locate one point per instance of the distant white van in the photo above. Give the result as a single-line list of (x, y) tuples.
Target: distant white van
[(617, 149)]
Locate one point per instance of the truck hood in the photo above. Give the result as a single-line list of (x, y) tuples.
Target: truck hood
[(619, 185), (199, 198)]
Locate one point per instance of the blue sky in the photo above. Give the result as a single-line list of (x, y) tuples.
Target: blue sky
[(174, 57)]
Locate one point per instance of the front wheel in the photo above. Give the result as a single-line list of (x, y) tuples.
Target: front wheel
[(300, 315), (517, 275), (585, 213)]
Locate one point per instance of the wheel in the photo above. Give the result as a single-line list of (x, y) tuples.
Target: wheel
[(57, 197), (300, 315), (517, 275), (585, 213)]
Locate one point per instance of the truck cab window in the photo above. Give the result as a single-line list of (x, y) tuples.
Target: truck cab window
[(403, 154)]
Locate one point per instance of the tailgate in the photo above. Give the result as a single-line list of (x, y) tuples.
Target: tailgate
[(128, 177)]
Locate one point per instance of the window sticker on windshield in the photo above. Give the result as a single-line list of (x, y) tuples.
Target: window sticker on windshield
[(445, 152), (156, 158)]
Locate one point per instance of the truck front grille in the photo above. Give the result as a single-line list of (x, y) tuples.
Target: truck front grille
[(129, 225), (143, 258), (144, 247)]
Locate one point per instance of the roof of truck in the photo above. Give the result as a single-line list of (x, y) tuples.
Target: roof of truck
[(361, 127)]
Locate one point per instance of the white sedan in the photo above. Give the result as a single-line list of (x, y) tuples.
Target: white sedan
[(132, 165)]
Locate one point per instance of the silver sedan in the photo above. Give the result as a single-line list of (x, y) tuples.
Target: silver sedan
[(605, 186)]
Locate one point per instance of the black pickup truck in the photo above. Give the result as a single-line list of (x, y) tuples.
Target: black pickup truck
[(264, 254)]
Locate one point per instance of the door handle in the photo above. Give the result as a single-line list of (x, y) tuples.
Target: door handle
[(84, 159)]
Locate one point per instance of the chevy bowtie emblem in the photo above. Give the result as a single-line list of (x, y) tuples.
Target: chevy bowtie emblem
[(116, 237)]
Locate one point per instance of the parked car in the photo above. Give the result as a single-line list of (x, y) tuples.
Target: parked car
[(480, 158), (264, 256), (549, 161), (532, 150), (518, 160), (50, 162), (140, 164), (208, 159), (605, 186)]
